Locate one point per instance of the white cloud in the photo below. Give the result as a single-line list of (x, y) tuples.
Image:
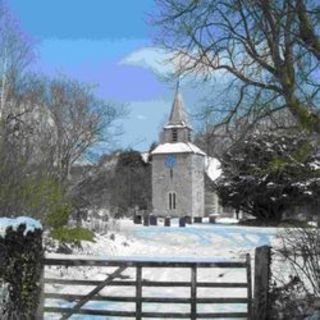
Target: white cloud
[(167, 64), (153, 58), (141, 117)]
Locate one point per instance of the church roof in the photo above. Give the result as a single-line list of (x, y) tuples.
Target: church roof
[(178, 116), (177, 147)]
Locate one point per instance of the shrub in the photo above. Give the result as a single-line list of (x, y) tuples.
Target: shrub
[(72, 235), (20, 270), (299, 255)]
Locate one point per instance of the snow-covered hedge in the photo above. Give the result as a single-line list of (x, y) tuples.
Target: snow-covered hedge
[(21, 256)]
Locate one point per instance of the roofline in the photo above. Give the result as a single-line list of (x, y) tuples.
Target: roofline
[(178, 102), (178, 126), (183, 152)]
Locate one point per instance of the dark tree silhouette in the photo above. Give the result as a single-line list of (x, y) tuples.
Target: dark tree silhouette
[(269, 174)]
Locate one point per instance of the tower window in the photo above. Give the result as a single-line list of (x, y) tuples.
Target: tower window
[(171, 173), (174, 135), (172, 201)]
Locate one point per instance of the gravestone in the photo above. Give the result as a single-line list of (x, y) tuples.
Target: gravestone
[(197, 219), (167, 221), (146, 220), (182, 222), (188, 219), (137, 219), (153, 220)]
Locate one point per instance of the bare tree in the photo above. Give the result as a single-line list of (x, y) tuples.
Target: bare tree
[(46, 125), (26, 155), (295, 286), (269, 49), (81, 121), (16, 54), (216, 140), (18, 91)]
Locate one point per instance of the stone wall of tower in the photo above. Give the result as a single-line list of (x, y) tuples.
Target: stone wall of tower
[(183, 135), (187, 182), (181, 183)]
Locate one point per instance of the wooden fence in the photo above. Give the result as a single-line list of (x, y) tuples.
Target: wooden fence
[(115, 279)]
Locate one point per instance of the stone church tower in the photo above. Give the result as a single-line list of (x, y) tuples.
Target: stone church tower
[(178, 168)]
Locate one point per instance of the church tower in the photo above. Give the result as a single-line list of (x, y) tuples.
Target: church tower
[(177, 168)]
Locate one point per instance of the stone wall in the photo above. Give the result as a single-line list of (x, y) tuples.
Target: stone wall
[(187, 182), (162, 184), (198, 190), (183, 135)]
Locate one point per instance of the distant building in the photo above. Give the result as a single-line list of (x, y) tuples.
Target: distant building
[(178, 168)]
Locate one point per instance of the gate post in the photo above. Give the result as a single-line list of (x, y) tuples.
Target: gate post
[(261, 282), (40, 308)]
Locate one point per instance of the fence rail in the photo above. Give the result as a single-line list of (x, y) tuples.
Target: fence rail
[(139, 283)]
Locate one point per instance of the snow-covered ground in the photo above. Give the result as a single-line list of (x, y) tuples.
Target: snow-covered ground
[(203, 241)]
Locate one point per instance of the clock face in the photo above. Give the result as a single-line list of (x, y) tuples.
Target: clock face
[(170, 161)]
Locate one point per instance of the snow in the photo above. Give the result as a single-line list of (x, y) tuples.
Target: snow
[(133, 259), (213, 168), (145, 157), (177, 147), (315, 165), (204, 242), (183, 125), (194, 241), (31, 224), (110, 163)]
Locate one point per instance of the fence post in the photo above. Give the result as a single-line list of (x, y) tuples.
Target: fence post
[(194, 292), (249, 290), (261, 282), (138, 293), (40, 308)]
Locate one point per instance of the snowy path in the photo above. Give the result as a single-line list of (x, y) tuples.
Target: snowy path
[(196, 241)]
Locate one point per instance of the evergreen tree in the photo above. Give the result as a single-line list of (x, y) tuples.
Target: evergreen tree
[(269, 174), (133, 182)]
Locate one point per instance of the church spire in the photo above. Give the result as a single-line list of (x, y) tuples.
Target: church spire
[(178, 117)]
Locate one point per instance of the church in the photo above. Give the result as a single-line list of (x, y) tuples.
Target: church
[(178, 168)]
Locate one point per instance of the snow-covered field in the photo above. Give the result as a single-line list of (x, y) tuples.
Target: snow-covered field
[(202, 241)]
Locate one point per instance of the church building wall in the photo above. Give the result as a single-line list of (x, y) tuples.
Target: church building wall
[(180, 183), (198, 190)]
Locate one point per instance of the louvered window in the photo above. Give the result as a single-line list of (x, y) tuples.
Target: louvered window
[(174, 135)]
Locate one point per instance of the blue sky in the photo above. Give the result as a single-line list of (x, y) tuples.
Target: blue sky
[(107, 43)]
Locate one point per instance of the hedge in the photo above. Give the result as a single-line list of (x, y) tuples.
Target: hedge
[(21, 255)]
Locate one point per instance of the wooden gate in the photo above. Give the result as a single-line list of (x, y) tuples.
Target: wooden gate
[(139, 299)]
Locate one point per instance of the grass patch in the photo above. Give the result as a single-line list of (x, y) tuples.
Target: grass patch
[(72, 235)]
